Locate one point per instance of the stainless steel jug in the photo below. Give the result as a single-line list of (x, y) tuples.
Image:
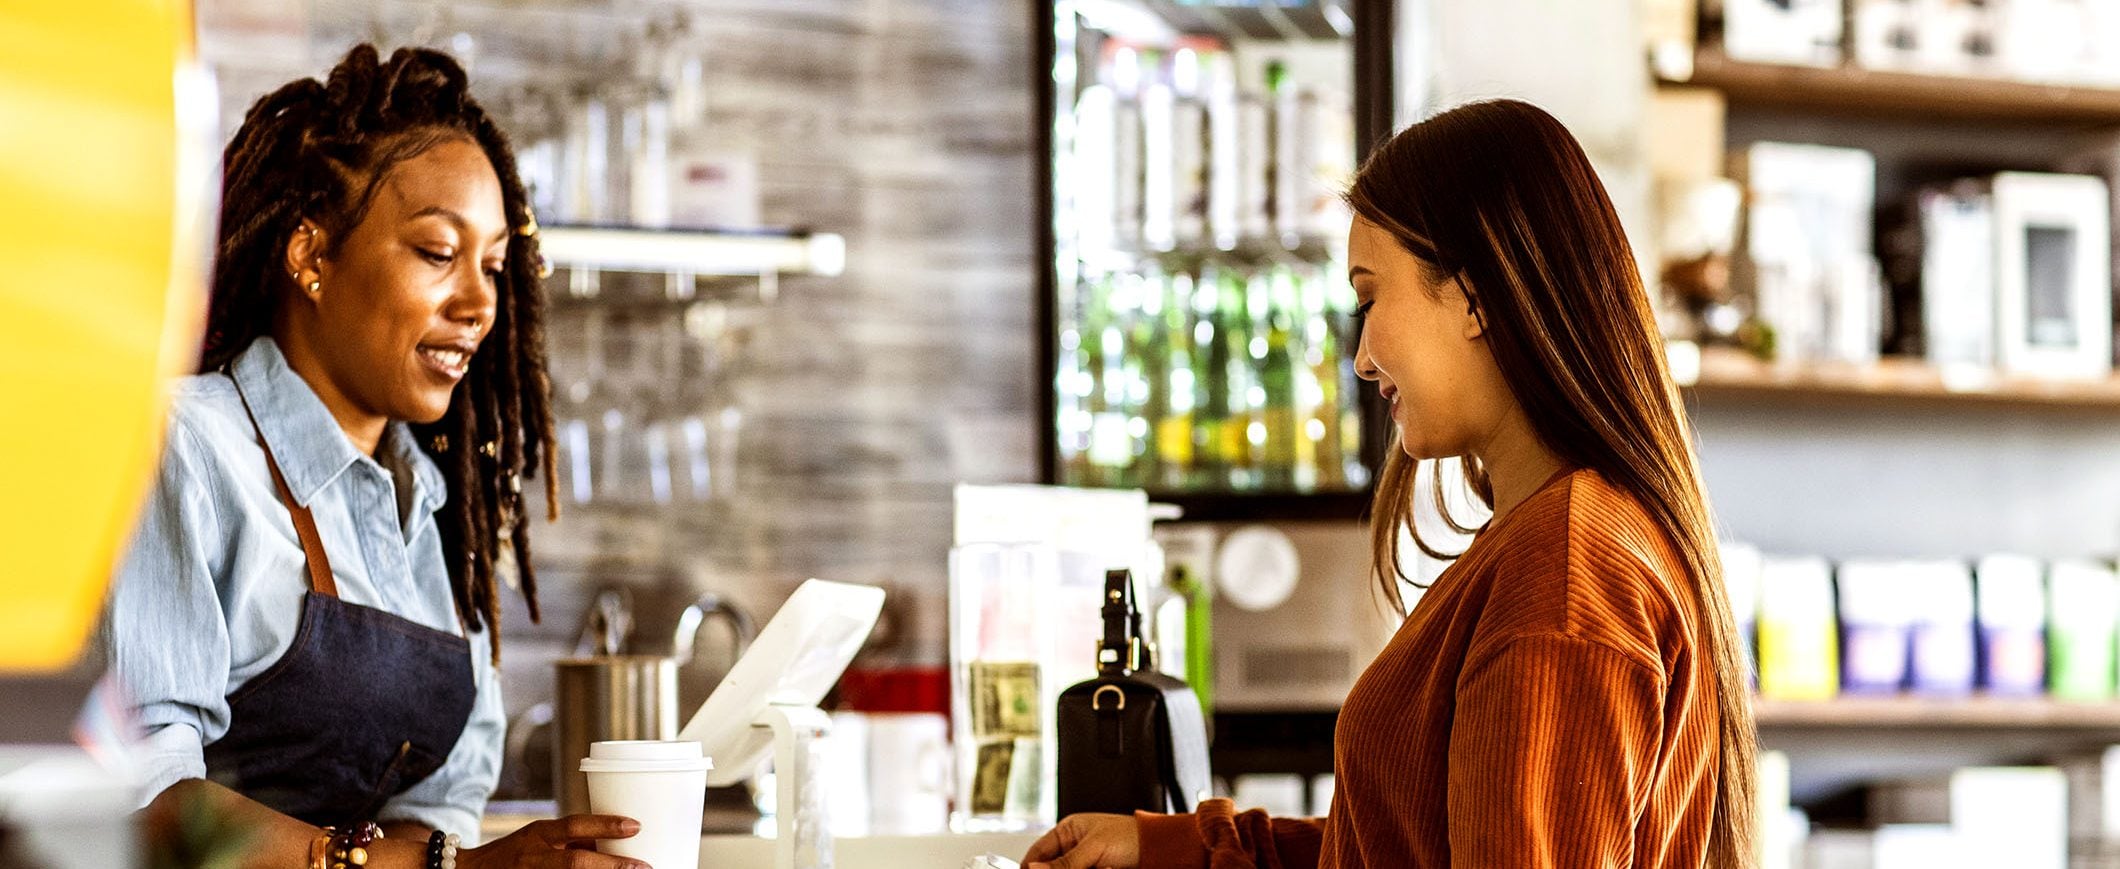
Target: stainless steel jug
[(602, 694)]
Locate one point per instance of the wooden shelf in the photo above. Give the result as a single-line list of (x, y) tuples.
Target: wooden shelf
[(1852, 90), (1730, 373), (1906, 713)]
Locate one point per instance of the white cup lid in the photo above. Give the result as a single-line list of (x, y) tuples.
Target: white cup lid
[(642, 755)]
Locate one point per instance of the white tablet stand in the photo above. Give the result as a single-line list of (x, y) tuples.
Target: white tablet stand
[(768, 703)]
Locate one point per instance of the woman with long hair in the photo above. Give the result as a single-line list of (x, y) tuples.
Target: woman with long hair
[(1571, 691), (307, 622)]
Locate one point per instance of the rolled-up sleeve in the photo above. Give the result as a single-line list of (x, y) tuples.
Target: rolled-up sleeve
[(164, 637), (454, 797)]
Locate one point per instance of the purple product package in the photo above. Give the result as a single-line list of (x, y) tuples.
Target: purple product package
[(2011, 594), (1941, 593), (1876, 622)]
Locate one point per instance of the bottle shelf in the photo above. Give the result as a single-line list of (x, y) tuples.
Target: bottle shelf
[(733, 253), (1725, 372), (1851, 90), (1906, 713)]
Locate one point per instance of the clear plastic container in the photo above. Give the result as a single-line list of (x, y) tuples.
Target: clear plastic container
[(1003, 684)]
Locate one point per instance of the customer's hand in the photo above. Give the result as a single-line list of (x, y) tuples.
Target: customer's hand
[(565, 843), (1088, 841)]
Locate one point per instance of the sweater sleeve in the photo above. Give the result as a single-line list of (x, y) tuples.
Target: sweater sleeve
[(1551, 750), (1220, 837)]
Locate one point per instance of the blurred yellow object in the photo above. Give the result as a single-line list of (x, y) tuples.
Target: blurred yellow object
[(106, 175)]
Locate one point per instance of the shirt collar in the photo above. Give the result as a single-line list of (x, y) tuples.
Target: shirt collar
[(429, 490), (305, 439)]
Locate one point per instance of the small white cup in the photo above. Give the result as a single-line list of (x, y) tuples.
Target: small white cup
[(661, 784)]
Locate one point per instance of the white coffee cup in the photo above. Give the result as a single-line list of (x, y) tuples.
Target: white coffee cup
[(661, 784), (909, 773)]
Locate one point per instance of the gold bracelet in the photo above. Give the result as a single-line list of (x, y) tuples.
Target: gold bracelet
[(320, 850)]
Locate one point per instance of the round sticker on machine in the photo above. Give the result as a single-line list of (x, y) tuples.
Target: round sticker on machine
[(1257, 568)]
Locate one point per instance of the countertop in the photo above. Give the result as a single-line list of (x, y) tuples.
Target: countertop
[(940, 851)]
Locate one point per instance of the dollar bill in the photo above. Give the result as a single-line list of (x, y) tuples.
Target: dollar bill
[(1005, 700)]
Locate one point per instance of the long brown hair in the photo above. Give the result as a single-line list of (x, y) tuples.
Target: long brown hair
[(318, 150), (1501, 196)]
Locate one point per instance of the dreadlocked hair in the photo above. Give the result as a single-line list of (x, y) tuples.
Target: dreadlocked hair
[(318, 151)]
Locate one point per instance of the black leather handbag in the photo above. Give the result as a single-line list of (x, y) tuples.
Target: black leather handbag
[(1132, 738)]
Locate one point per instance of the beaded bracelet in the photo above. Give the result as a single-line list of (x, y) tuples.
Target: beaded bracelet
[(441, 850), (339, 849)]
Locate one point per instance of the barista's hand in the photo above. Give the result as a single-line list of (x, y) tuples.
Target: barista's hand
[(1088, 841), (557, 844)]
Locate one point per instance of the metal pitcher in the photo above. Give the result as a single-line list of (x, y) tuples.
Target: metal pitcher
[(605, 694)]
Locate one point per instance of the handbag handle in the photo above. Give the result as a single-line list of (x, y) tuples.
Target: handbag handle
[(1121, 651)]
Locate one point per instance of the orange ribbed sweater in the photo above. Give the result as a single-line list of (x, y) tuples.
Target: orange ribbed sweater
[(1545, 704)]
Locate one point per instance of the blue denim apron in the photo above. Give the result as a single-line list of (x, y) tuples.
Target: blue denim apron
[(363, 705)]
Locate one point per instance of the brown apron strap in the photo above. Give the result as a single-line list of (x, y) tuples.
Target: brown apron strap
[(305, 524)]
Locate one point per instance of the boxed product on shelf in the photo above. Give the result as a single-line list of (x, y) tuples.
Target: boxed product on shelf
[(1941, 660), (2011, 816), (2012, 619), (1957, 276), (1876, 621), (1949, 37), (1977, 816), (1741, 567), (2053, 273), (1783, 31), (1798, 642), (2016, 275), (2060, 41), (1781, 823), (2082, 598), (1885, 34), (1809, 260), (2100, 156)]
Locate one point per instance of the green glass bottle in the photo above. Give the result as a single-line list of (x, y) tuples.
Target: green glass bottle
[(1241, 428), (1275, 334), (1073, 382), (1211, 360), (1104, 327), (1319, 465), (1148, 360), (1182, 388)]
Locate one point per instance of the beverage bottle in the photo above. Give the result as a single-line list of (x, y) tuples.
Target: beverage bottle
[(1183, 389), (1074, 379), (1110, 450), (1211, 358), (1148, 351), (1276, 349), (1244, 433), (1189, 143), (1128, 175), (1158, 132)]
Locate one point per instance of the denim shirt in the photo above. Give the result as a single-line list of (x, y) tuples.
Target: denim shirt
[(210, 593)]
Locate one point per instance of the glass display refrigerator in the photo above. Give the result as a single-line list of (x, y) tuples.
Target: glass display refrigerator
[(1196, 321)]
